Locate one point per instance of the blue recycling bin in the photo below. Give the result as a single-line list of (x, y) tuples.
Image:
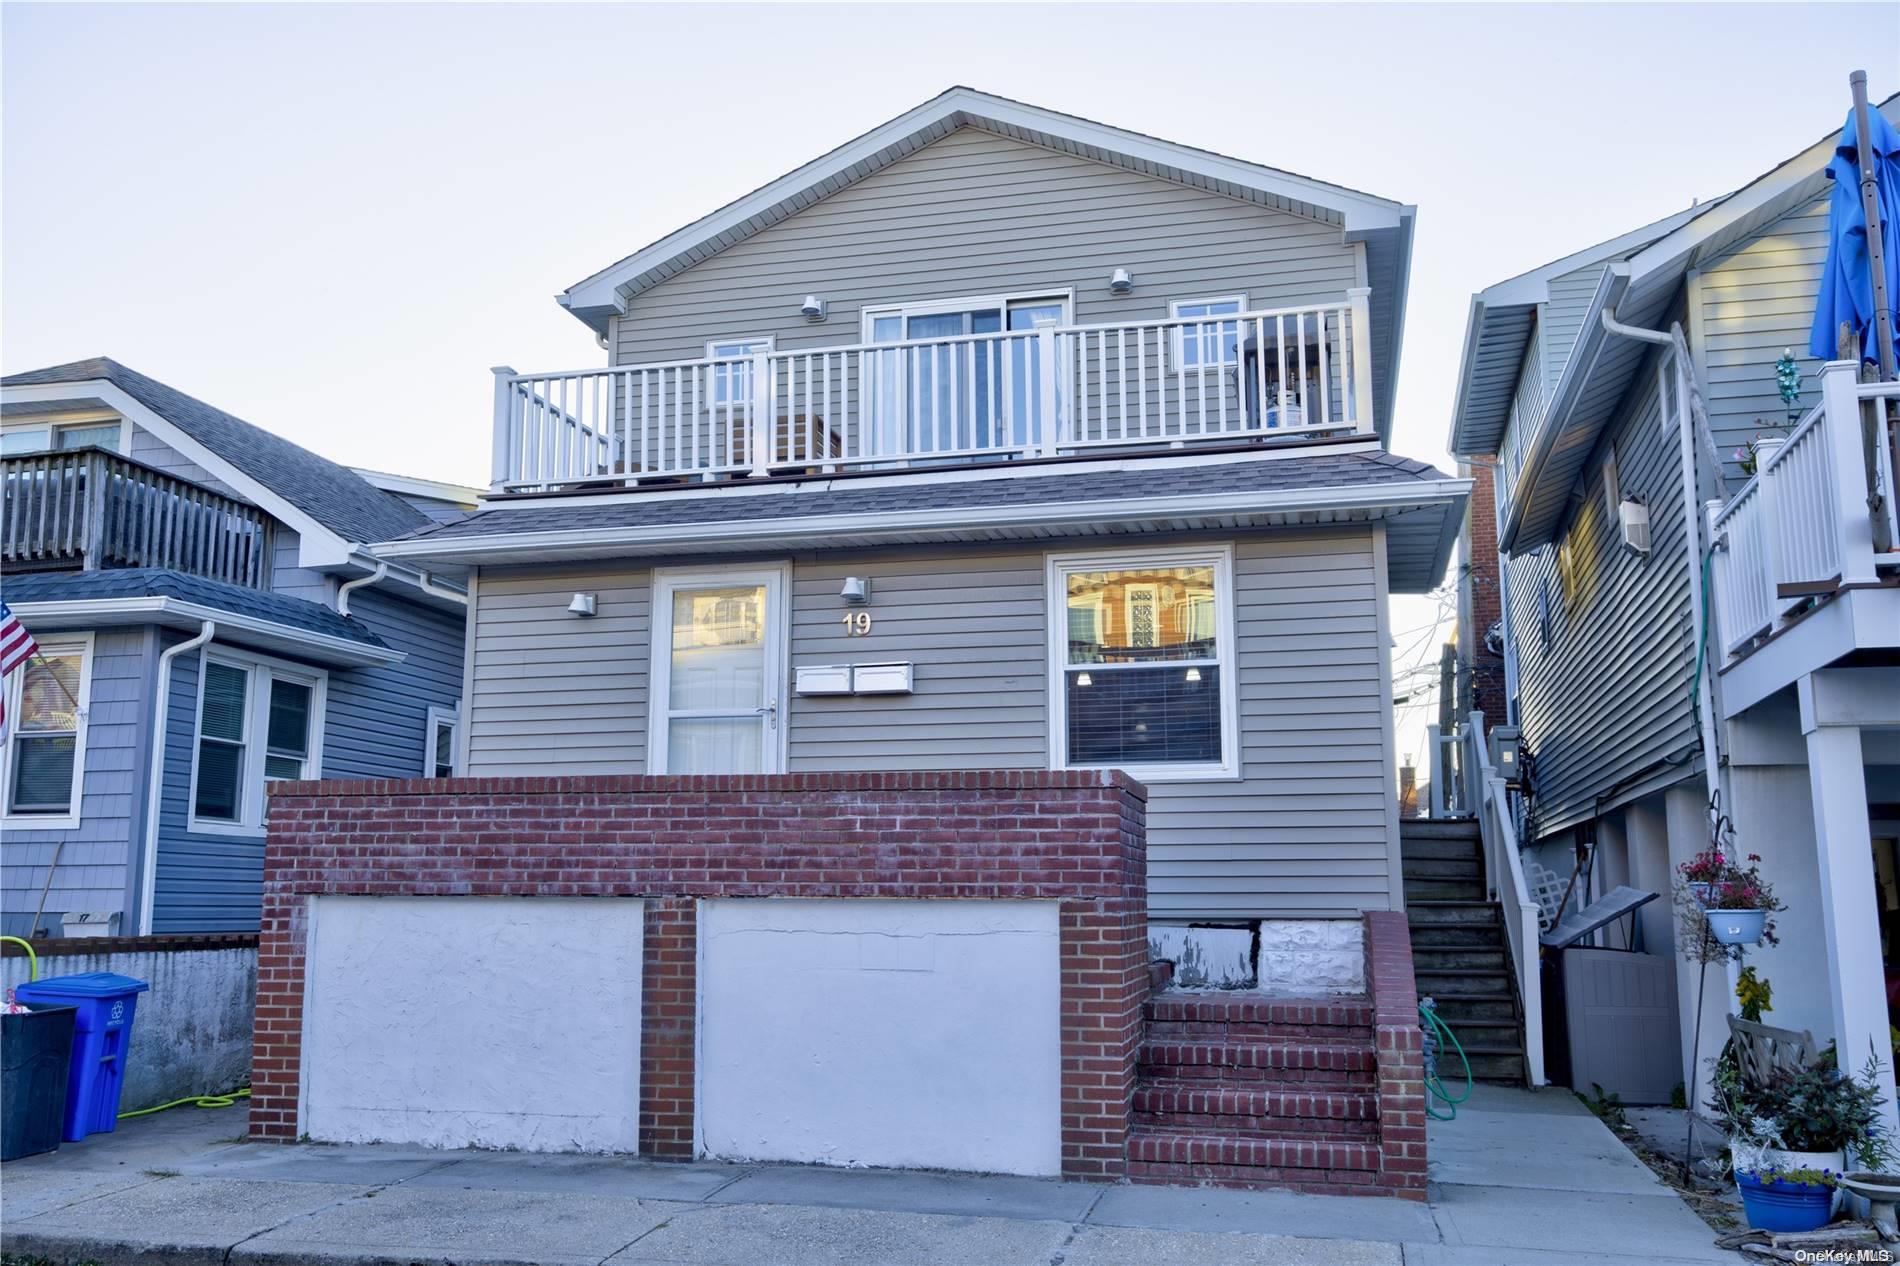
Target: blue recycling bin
[(101, 1032)]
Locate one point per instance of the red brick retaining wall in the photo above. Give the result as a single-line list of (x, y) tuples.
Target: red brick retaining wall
[(1077, 838), (1399, 1048)]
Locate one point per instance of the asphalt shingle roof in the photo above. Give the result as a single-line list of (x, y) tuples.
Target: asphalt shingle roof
[(157, 582), (840, 497), (335, 496)]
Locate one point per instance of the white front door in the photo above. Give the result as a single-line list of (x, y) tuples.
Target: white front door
[(718, 677)]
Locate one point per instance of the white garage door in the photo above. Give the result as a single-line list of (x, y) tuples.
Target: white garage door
[(897, 1033), (473, 1022)]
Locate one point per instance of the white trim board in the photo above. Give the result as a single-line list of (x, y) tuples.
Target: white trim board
[(51, 644), (178, 614)]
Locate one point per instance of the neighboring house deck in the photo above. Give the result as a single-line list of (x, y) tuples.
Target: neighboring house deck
[(168, 555)]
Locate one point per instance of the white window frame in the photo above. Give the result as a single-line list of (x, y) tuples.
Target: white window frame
[(56, 644), (48, 424), (1221, 558), (438, 718), (755, 344), (1178, 339), (1064, 295), (263, 670), (777, 579)]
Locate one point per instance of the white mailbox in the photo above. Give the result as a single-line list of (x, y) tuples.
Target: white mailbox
[(881, 679), (822, 679)]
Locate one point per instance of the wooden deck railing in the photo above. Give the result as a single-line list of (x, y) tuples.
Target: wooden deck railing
[(90, 508)]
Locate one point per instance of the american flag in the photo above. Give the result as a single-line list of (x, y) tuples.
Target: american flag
[(16, 647)]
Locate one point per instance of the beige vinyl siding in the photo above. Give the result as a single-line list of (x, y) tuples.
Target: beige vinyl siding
[(1605, 700), (979, 214), (1754, 302), (1302, 832), (553, 693)]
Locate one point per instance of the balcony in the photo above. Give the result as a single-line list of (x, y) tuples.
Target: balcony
[(1051, 391), (1801, 532), (90, 509)]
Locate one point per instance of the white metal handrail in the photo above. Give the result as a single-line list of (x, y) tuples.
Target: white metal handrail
[(1504, 880), (1047, 391), (1801, 526)]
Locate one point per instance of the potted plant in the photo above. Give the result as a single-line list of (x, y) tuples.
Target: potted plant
[(1813, 1118), (1798, 1198), (1737, 903)]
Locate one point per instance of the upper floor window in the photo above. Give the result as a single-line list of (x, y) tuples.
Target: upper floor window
[(1142, 663), (62, 437), (1212, 342), (732, 380), (259, 721), (45, 748)]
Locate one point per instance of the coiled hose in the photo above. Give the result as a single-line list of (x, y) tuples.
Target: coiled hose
[(1437, 1034)]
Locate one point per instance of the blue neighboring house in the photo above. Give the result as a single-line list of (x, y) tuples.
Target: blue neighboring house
[(209, 622)]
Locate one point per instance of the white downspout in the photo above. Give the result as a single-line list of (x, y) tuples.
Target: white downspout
[(427, 582), (343, 593), (155, 783), (1692, 534)]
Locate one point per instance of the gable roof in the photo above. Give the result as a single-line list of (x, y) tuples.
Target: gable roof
[(1384, 226), (335, 498), (1498, 330)]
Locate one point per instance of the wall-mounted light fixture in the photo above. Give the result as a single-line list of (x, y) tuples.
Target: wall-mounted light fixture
[(813, 309), (856, 589), (1120, 283), (583, 604)]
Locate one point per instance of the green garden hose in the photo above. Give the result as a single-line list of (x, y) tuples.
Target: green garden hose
[(202, 1101), (32, 959), (1438, 1033)]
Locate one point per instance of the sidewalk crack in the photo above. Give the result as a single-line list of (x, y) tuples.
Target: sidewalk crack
[(1075, 1228)]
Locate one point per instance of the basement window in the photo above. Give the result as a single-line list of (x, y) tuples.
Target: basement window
[(1141, 663)]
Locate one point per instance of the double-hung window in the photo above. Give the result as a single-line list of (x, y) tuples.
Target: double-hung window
[(1212, 342), (259, 721), (64, 436), (45, 748), (1142, 671)]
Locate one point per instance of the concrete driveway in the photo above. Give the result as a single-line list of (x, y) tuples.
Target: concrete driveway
[(1520, 1179)]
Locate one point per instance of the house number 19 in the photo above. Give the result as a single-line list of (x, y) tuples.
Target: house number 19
[(857, 624)]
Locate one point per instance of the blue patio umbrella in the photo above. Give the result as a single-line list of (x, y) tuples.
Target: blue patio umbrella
[(1847, 283)]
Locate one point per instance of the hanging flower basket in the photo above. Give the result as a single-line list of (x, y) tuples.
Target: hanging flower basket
[(1737, 927), (1775, 1203)]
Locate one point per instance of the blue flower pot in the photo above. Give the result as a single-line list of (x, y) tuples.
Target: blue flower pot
[(1784, 1206), (1737, 927)]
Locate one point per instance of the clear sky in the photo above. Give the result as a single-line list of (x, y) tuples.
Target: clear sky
[(332, 220)]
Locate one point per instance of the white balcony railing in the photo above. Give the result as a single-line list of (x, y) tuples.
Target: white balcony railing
[(1801, 528), (1045, 392)]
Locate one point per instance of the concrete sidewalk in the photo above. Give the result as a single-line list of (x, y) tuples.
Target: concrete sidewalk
[(1520, 1179)]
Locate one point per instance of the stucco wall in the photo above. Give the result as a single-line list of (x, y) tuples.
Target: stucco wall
[(192, 1031), (474, 1022), (907, 1034)]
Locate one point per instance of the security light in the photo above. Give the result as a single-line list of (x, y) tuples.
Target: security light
[(856, 589)]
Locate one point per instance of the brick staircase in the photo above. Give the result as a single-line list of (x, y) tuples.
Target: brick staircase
[(1240, 1090), (1459, 955)]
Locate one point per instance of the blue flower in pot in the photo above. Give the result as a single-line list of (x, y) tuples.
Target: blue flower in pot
[(1786, 1199)]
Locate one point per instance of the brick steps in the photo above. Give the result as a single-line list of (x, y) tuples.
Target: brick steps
[(1264, 1110), (1181, 1148)]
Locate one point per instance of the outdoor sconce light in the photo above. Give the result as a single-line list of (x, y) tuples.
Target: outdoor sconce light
[(856, 589), (1121, 283), (813, 308), (583, 604)]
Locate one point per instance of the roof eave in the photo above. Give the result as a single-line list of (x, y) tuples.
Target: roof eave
[(249, 630)]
